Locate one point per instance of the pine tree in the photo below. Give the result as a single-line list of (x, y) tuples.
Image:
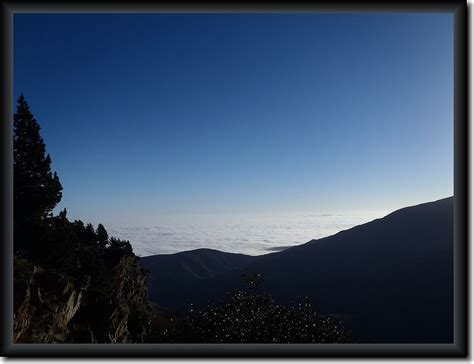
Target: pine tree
[(90, 237), (102, 237), (36, 189)]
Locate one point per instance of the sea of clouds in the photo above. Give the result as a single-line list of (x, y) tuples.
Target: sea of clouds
[(252, 235)]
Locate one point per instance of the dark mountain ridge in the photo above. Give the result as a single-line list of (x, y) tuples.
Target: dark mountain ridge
[(391, 279), (184, 268)]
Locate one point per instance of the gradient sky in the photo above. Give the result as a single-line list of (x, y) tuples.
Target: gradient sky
[(163, 114)]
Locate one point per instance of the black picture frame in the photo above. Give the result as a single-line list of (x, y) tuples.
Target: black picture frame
[(459, 348)]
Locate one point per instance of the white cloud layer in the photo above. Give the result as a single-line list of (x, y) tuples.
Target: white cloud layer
[(253, 235)]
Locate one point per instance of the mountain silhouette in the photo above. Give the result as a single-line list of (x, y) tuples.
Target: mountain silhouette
[(188, 266), (390, 280)]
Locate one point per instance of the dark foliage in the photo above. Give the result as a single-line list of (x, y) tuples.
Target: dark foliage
[(102, 237), (36, 189), (116, 249), (251, 316), (51, 241), (86, 234), (89, 235), (57, 246)]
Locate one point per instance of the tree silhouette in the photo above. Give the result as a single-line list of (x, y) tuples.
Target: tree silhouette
[(36, 189), (252, 316), (102, 237), (90, 237)]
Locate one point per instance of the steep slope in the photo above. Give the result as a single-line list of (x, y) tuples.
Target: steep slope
[(390, 279), (393, 277)]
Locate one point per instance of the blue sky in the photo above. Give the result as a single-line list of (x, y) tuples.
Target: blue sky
[(163, 114)]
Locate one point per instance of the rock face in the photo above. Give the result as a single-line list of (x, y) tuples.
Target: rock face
[(129, 303), (44, 303), (51, 308)]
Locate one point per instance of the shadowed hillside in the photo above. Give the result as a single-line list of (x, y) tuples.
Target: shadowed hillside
[(390, 279), (187, 267)]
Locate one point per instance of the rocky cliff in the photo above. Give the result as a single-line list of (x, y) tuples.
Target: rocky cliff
[(53, 308)]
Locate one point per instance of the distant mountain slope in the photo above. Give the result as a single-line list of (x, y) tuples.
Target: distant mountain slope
[(173, 271), (392, 278)]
